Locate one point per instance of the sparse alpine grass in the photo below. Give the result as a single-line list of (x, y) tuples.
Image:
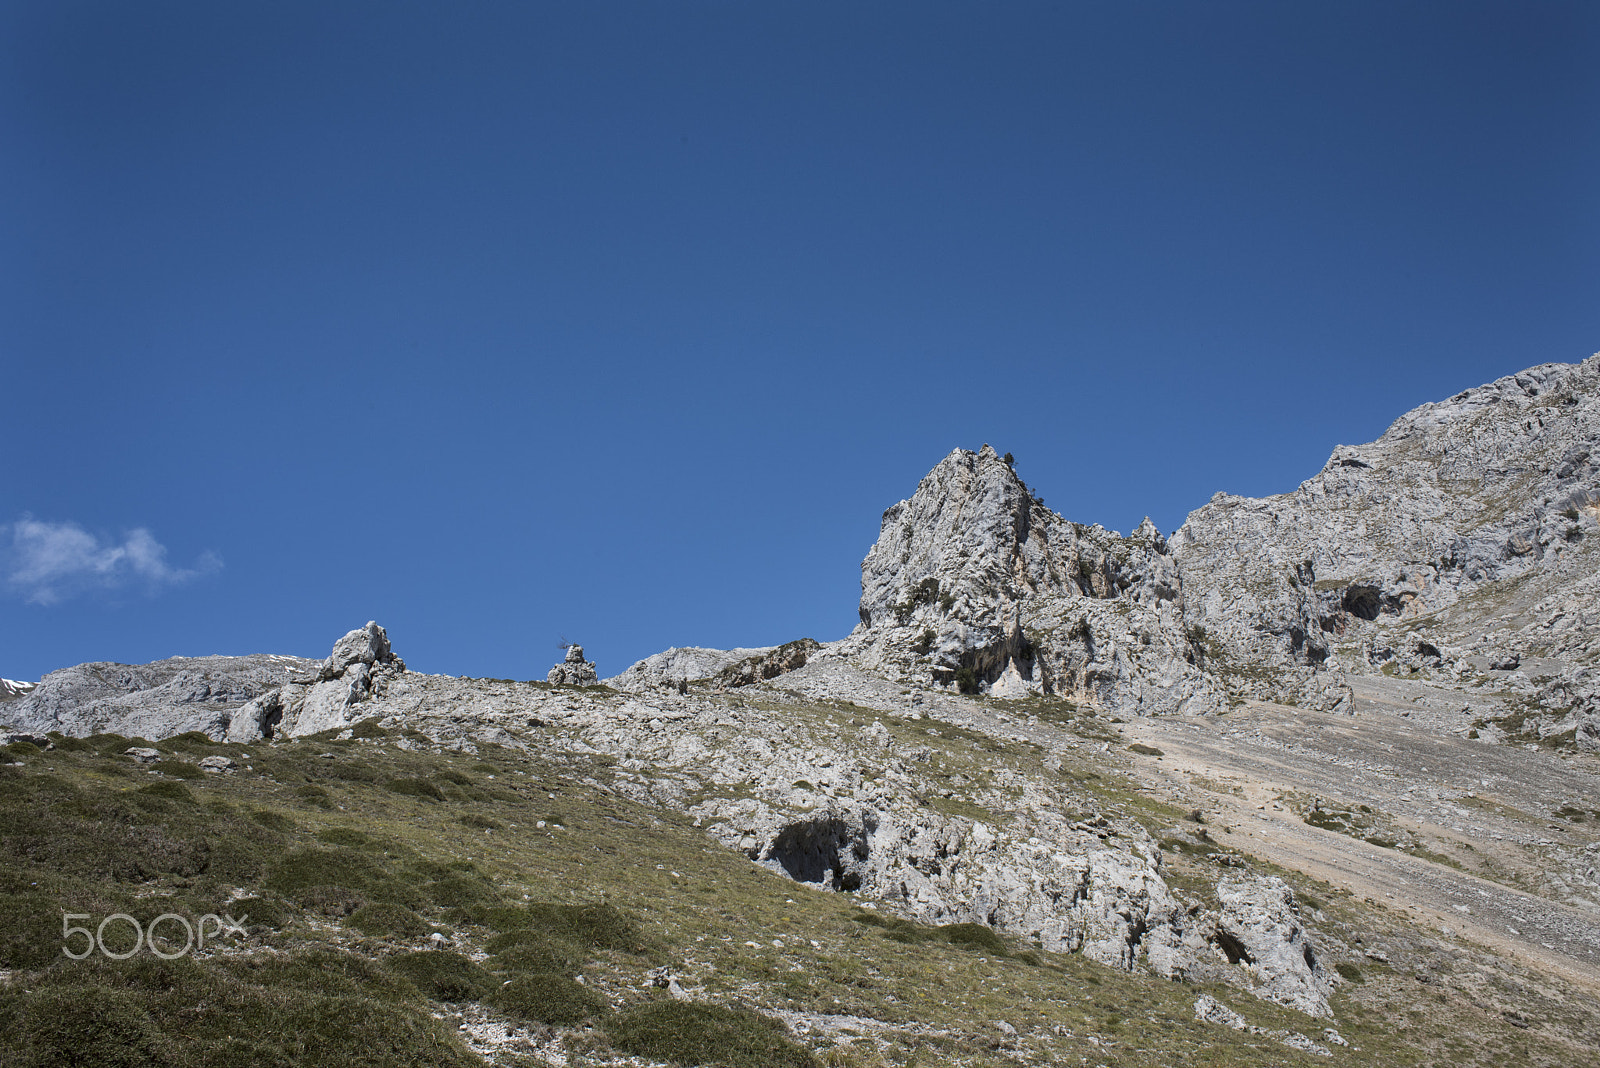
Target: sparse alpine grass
[(337, 880)]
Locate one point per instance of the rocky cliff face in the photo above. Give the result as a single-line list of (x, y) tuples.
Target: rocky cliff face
[(975, 584)]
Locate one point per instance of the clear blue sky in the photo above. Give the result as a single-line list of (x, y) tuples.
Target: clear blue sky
[(502, 322)]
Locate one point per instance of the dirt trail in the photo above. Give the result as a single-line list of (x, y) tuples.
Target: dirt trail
[(1485, 806), (1497, 865)]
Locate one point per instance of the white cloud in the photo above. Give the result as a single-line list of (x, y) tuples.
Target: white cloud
[(47, 562)]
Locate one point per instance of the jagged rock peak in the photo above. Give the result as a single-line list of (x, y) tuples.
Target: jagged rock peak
[(974, 583)]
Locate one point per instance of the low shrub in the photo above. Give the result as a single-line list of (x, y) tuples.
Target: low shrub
[(458, 891), (600, 925), (315, 795), (180, 769), (548, 998), (691, 1033), (259, 912), (172, 791), (535, 951), (385, 919), (274, 821), (973, 936), (91, 1025), (443, 975), (415, 788)]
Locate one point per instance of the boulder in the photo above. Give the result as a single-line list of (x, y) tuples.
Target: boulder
[(366, 645), (1258, 928)]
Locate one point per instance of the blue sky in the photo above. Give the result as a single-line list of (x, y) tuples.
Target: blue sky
[(501, 323)]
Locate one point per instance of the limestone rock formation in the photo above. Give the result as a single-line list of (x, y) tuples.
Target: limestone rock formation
[(574, 671), (1258, 927), (1108, 902), (974, 584), (788, 657), (1572, 701), (360, 666), (1475, 520)]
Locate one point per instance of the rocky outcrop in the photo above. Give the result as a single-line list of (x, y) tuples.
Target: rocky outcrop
[(1259, 928), (1478, 517), (975, 585), (238, 698), (1571, 702), (684, 664), (1075, 895), (360, 667), (574, 670), (791, 656)]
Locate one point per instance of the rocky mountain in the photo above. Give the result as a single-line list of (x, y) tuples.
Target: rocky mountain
[(1342, 734), (156, 700), (1468, 529)]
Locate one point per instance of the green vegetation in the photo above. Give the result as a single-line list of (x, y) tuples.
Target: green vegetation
[(443, 975), (548, 998), (689, 1034)]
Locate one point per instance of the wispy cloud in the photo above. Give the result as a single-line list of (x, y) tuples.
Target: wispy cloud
[(47, 562)]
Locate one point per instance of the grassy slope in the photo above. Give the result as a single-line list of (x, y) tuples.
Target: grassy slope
[(334, 843)]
